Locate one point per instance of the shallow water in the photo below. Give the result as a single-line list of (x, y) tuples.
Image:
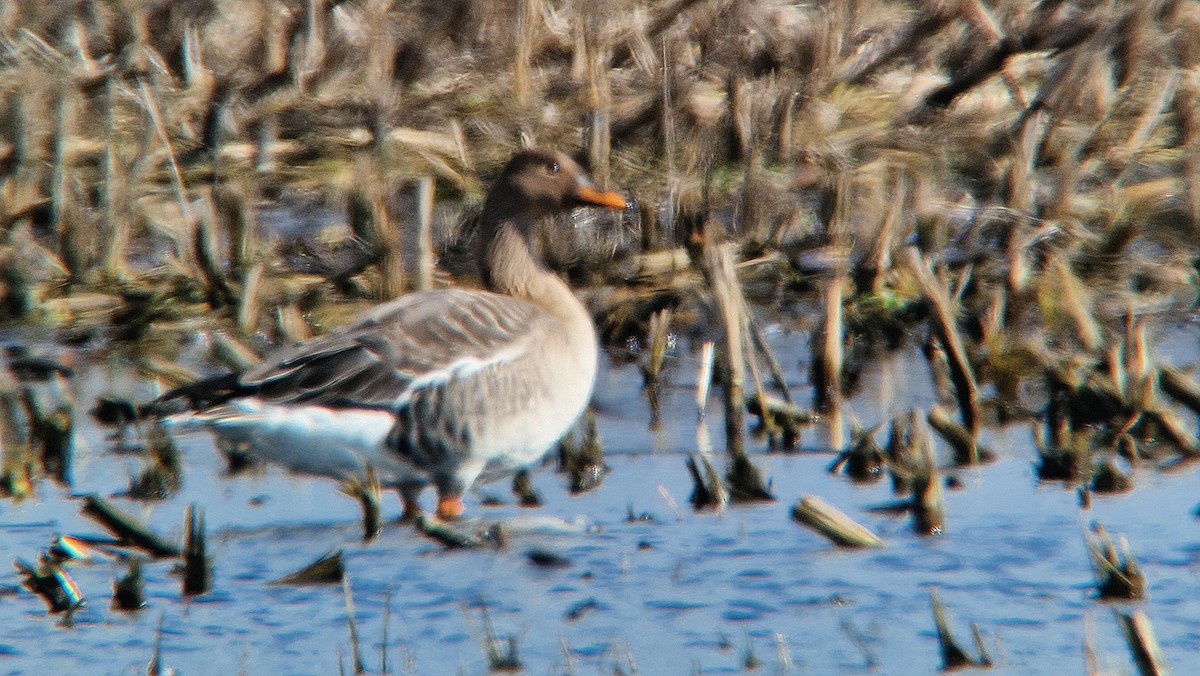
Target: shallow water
[(687, 593)]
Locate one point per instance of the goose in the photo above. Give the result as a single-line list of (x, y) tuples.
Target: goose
[(436, 387)]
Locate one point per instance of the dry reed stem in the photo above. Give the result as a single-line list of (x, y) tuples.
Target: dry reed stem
[(129, 591), (528, 13), (718, 261), (704, 378), (945, 328), (966, 450), (17, 464), (328, 569), (1118, 574), (879, 260), (1180, 387), (204, 245), (369, 492), (127, 527), (832, 523), (827, 361), (953, 655), (1070, 295), (181, 192), (250, 303), (115, 221), (356, 651), (197, 571), (425, 253), (1143, 644), (763, 349)]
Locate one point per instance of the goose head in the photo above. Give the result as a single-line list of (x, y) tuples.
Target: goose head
[(535, 183)]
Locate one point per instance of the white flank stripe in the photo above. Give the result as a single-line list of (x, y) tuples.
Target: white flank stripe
[(339, 443)]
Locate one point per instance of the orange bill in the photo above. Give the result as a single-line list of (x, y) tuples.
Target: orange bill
[(610, 199)]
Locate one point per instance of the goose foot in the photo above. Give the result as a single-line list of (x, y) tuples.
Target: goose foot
[(450, 507)]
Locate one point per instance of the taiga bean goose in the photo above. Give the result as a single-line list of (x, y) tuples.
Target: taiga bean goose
[(436, 386)]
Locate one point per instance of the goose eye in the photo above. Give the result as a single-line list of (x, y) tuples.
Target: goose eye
[(552, 167)]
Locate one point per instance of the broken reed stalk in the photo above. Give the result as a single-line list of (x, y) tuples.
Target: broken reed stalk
[(1181, 388), (425, 253), (53, 430), (827, 362), (369, 492), (129, 592), (945, 328), (383, 640), (360, 665), (704, 378), (232, 352), (329, 569), (236, 207), (127, 527), (658, 335), (49, 580), (724, 284), (832, 523), (155, 667), (1174, 430), (585, 465), (764, 350), (1118, 575), (17, 462), (966, 450), (197, 573), (1137, 379), (502, 652), (745, 481), (760, 393), (708, 491), (162, 475), (953, 654), (864, 460), (928, 504), (1143, 644)]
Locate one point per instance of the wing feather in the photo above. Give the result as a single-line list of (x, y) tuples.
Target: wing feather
[(414, 342)]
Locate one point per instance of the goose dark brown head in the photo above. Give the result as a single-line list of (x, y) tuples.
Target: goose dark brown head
[(537, 183)]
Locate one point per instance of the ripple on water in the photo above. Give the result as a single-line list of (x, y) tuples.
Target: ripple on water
[(591, 650), (674, 605), (744, 610)]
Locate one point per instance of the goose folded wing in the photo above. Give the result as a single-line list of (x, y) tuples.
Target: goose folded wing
[(415, 341)]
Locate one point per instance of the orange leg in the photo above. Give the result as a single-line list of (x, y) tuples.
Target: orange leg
[(450, 507)]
